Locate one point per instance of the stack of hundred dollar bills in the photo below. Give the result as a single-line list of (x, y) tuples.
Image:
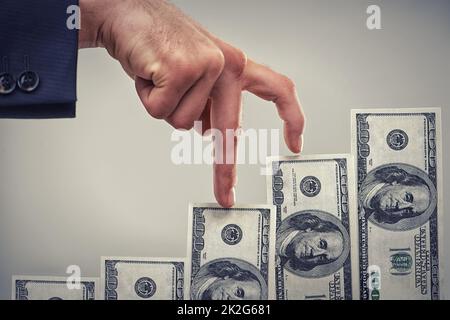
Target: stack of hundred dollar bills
[(365, 225)]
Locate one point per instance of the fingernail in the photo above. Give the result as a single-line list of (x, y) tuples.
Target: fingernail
[(232, 197), (300, 143)]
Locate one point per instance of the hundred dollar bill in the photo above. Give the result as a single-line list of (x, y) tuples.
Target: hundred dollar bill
[(400, 202), (315, 199), (53, 288), (230, 252), (142, 278)]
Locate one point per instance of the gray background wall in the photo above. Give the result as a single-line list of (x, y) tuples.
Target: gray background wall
[(103, 184)]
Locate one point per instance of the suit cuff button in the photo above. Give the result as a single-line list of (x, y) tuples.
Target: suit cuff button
[(7, 83), (28, 81)]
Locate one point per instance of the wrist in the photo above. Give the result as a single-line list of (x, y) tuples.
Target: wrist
[(92, 18)]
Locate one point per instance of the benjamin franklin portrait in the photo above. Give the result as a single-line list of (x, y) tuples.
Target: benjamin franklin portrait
[(312, 243), (228, 279), (397, 197)]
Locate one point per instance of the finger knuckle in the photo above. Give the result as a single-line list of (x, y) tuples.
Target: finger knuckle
[(241, 62), (215, 61), (235, 62), (158, 109), (288, 85), (152, 68), (176, 59), (187, 74), (182, 69)]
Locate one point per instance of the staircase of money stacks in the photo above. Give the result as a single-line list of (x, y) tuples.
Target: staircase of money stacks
[(365, 225)]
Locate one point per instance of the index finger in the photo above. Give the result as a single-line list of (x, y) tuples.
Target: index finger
[(225, 117), (272, 86)]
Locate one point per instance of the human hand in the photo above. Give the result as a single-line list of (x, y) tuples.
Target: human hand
[(185, 74)]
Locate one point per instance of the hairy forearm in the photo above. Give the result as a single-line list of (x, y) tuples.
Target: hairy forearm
[(92, 18), (98, 16)]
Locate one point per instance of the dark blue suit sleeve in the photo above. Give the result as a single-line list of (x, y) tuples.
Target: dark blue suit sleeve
[(34, 36)]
